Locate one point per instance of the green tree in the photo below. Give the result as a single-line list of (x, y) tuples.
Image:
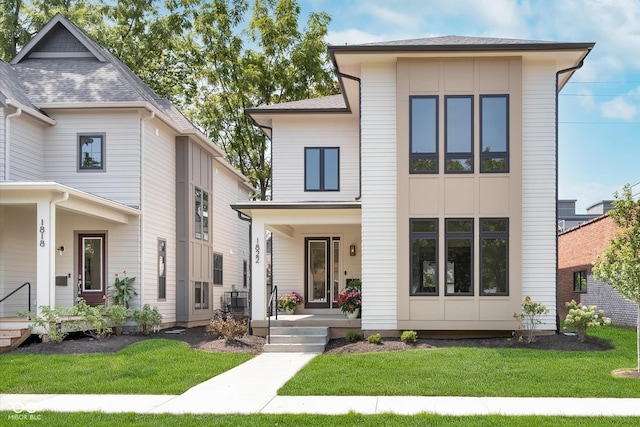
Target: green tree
[(282, 64), (619, 264)]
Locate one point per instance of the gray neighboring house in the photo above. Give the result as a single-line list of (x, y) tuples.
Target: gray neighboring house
[(98, 176)]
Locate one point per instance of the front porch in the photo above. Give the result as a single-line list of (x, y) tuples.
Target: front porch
[(337, 323)]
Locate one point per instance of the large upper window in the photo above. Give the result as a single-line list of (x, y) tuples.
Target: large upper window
[(91, 152), (322, 169), (459, 252), (494, 256), (424, 256), (459, 134), (423, 137), (494, 133)]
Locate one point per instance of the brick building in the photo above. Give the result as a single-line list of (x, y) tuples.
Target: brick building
[(578, 248)]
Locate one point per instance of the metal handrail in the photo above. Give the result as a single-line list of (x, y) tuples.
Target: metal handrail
[(28, 285), (272, 299)]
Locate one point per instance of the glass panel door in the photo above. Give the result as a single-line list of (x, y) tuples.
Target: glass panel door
[(91, 278), (317, 272)]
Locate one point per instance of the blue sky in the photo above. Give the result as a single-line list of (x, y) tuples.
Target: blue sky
[(599, 109)]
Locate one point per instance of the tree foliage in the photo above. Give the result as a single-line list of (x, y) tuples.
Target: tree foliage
[(619, 264)]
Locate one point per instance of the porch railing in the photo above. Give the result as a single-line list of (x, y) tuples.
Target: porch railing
[(273, 299), (28, 285)]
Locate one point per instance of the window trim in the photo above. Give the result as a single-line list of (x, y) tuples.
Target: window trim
[(449, 235), (321, 178), (419, 155), (581, 290), (424, 235), (496, 154), (220, 270), (103, 146), (459, 155), (493, 235), (162, 276)]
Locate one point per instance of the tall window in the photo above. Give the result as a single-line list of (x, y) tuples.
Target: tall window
[(580, 281), (217, 269), (201, 295), (423, 135), (322, 169), (162, 269), (424, 256), (205, 215), (245, 273), (91, 152), (459, 251), (494, 256), (458, 134), (494, 133), (197, 212)]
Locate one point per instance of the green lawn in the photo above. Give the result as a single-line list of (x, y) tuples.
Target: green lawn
[(56, 419), (156, 366), (474, 372)]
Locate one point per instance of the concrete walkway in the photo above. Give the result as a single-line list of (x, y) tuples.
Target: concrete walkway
[(251, 388)]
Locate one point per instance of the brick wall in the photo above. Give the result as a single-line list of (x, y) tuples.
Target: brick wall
[(577, 249), (621, 311)]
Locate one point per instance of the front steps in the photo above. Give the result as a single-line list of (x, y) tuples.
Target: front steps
[(297, 339), (10, 339)]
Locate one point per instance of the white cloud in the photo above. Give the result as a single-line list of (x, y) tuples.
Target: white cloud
[(587, 99), (408, 20), (621, 107), (352, 36)]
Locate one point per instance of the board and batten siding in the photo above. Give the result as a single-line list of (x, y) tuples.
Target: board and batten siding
[(26, 159), (121, 181), (379, 214), (291, 134), (159, 214), (539, 187), (2, 145)]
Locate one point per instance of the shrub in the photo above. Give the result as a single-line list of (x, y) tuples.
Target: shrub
[(117, 314), (353, 336), (529, 318), (122, 290), (409, 337), (227, 326), (581, 317), (375, 339), (49, 323), (147, 318), (93, 320)]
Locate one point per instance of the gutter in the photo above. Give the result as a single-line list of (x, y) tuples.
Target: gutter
[(558, 73), (357, 79), (7, 139)]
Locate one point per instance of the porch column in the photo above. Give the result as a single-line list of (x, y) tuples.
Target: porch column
[(259, 270), (44, 254)]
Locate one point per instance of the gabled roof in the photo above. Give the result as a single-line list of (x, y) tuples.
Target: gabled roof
[(331, 103), (10, 87)]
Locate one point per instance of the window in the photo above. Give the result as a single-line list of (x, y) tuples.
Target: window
[(494, 133), (423, 135), (91, 152), (245, 273), (459, 252), (494, 256), (197, 212), (205, 215), (217, 269), (162, 269), (424, 256), (458, 134), (201, 295), (580, 281), (322, 169)]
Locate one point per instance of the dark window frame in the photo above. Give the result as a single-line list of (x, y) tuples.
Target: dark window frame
[(162, 273), (454, 155), (103, 145), (456, 235), (582, 275), (201, 295), (418, 235), (495, 154), (218, 269), (245, 273), (434, 157), (494, 235), (321, 178), (197, 213)]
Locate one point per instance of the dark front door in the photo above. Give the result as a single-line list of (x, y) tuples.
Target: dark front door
[(91, 268), (322, 271)]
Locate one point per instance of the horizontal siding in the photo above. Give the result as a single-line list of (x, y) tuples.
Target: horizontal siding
[(159, 214), (379, 233), (26, 159), (539, 187), (121, 181), (290, 137)]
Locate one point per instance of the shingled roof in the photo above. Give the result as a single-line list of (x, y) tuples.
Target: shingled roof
[(322, 104)]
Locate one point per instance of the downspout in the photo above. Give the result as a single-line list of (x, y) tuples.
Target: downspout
[(141, 218), (357, 79), (244, 217), (52, 247), (7, 139), (566, 70)]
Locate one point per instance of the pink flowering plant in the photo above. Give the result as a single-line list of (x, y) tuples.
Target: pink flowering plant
[(349, 300), (289, 301)]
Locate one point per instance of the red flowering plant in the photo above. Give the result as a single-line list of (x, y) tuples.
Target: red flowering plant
[(349, 300), (289, 301)]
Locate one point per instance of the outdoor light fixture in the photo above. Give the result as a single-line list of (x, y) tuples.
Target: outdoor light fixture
[(352, 250), (61, 250)]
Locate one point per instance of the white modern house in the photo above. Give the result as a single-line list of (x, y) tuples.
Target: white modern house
[(98, 175), (432, 178)]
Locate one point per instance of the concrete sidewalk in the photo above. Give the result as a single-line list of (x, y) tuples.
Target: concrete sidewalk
[(252, 386)]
